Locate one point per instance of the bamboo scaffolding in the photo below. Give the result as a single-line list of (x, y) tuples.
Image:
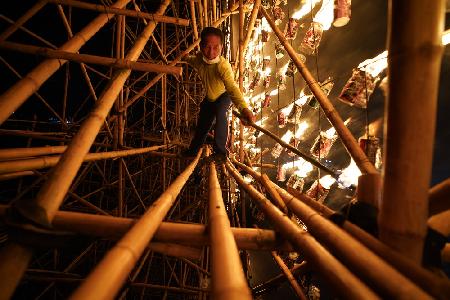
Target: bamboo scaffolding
[(14, 175), (12, 153), (191, 47), (290, 147), (330, 269), (111, 11), (441, 223), (439, 197), (276, 198), (50, 161), (25, 17), (109, 275), (292, 281), (432, 284), (193, 18), (228, 279), (176, 250), (369, 189), (24, 88), (91, 59), (413, 51), (346, 136)]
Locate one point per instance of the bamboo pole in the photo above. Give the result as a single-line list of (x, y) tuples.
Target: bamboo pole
[(290, 147), (14, 175), (25, 17), (109, 275), (12, 153), (330, 269), (50, 161), (346, 136), (241, 74), (111, 11), (439, 197), (369, 189), (441, 223), (200, 13), (228, 279), (178, 58), (193, 18), (276, 198), (176, 250), (91, 59), (414, 61), (24, 88), (434, 285), (292, 281)]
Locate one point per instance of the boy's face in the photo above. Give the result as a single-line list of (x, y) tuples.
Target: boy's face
[(212, 46)]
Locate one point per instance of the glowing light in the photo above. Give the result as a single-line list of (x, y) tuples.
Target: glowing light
[(265, 25), (349, 175), (326, 181), (330, 132), (300, 130), (376, 65), (325, 15), (305, 9), (262, 121), (300, 166), (287, 136), (446, 37), (302, 98), (274, 92)]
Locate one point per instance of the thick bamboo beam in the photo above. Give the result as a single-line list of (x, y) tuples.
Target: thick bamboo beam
[(111, 11), (330, 269), (369, 189), (290, 147), (14, 175), (193, 18), (92, 59), (439, 197), (344, 133), (50, 161), (441, 223), (292, 281), (276, 198), (228, 279), (24, 88), (25, 17), (12, 153), (176, 250), (110, 274), (436, 286), (414, 62)]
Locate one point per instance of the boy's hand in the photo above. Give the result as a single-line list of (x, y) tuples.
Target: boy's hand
[(248, 117)]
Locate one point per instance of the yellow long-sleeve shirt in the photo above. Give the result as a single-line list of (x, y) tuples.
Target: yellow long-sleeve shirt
[(217, 78)]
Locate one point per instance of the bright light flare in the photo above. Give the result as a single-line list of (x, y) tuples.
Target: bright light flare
[(300, 130), (376, 65), (349, 175), (327, 181), (300, 166), (305, 9), (446, 37), (287, 136), (302, 99), (325, 15)]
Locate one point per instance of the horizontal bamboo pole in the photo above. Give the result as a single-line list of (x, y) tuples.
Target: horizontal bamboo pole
[(288, 146), (328, 267), (122, 12), (436, 286), (439, 197), (24, 88), (176, 250), (228, 279), (92, 59), (14, 175), (107, 278), (196, 235), (50, 161), (344, 133), (11, 153)]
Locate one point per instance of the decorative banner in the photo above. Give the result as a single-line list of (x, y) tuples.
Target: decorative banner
[(264, 36), (312, 38), (278, 14), (326, 86), (295, 114), (290, 31), (265, 63), (296, 182), (342, 12), (276, 151), (279, 51), (317, 192), (267, 101), (322, 145), (294, 143), (281, 173), (255, 81), (371, 146), (266, 82), (358, 88), (281, 119), (281, 80)]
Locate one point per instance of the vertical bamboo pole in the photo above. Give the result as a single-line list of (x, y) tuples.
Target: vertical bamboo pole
[(193, 19), (200, 14), (109, 275), (24, 88), (206, 11), (369, 189), (415, 53), (119, 121), (228, 279), (241, 74), (164, 105), (346, 136), (292, 281), (214, 11)]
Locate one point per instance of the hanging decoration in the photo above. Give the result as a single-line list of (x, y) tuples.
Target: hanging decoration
[(317, 192), (322, 145), (267, 101), (359, 87), (326, 86), (371, 146), (278, 14), (290, 31), (279, 51), (281, 173), (296, 182), (312, 38), (276, 151), (281, 80), (342, 12)]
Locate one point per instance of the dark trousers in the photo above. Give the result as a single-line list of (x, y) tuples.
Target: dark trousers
[(210, 111)]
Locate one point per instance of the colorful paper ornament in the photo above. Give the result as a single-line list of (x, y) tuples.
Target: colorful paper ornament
[(290, 31), (312, 38), (317, 192), (322, 145), (281, 118), (281, 173), (296, 182), (276, 150), (358, 88), (267, 101), (278, 14), (342, 12), (279, 51)]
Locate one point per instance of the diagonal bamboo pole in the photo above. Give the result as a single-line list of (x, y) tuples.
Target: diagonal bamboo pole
[(50, 161), (24, 88), (122, 12), (415, 54), (91, 59), (439, 197), (432, 284), (330, 269), (228, 279), (346, 136), (292, 281), (109, 275)]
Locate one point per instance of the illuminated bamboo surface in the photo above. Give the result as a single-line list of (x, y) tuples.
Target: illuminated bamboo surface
[(109, 275)]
